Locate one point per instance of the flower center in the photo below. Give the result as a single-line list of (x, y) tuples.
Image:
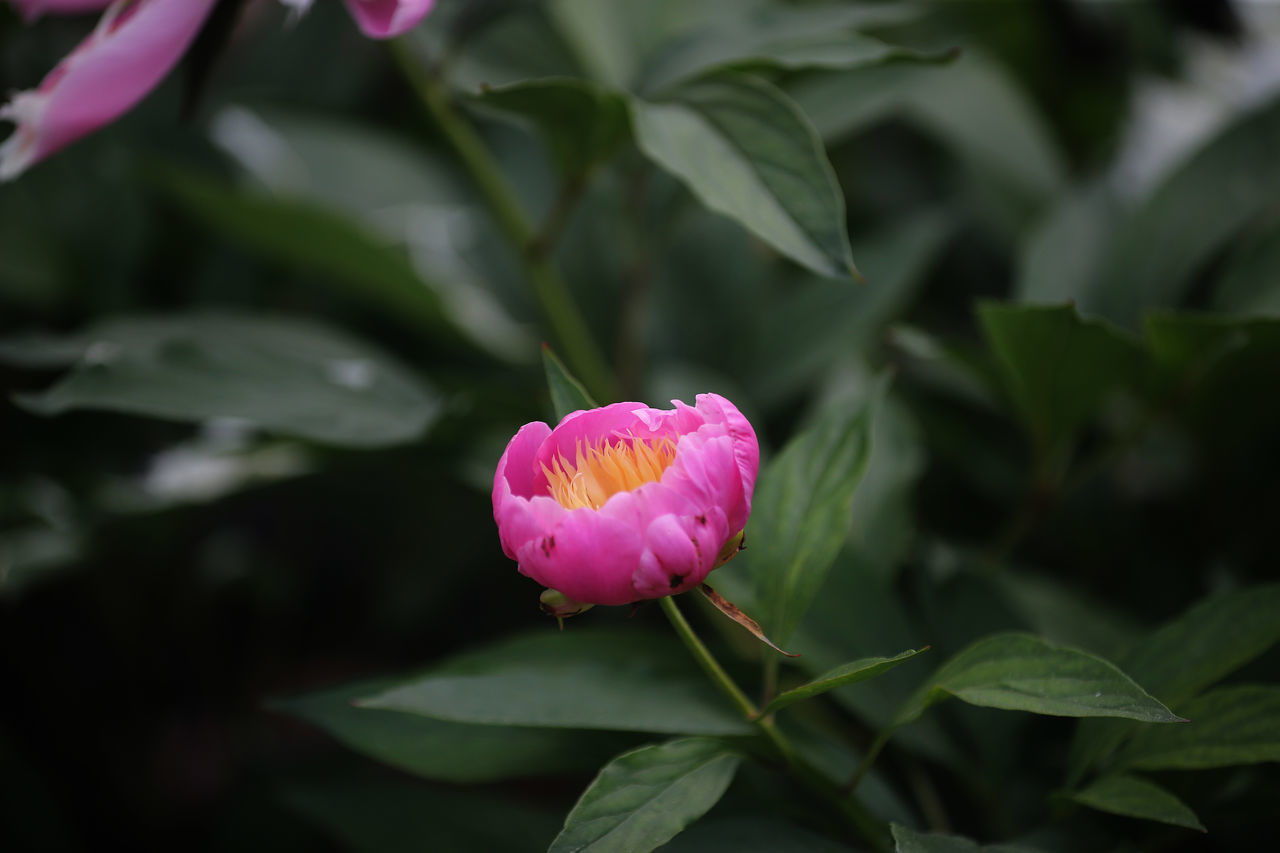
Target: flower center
[(601, 470)]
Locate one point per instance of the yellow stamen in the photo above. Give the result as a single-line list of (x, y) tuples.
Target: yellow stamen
[(600, 471)]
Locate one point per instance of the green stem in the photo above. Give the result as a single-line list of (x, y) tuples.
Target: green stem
[(707, 661), (871, 828), (556, 303), (873, 752)]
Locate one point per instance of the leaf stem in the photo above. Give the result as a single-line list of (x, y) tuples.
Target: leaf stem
[(556, 303), (872, 829)]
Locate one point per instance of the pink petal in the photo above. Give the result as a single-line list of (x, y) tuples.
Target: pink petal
[(382, 19), (588, 556), (32, 9), (746, 448), (516, 467), (522, 521), (706, 473), (679, 553), (132, 49)]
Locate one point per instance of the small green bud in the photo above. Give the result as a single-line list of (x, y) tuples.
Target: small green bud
[(555, 603)]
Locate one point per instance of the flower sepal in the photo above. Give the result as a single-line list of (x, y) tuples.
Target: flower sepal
[(731, 549), (555, 603)]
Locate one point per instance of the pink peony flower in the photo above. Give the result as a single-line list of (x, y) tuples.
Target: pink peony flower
[(133, 48), (625, 502)]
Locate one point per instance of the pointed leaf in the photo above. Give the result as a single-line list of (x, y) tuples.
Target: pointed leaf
[(1208, 642), (643, 798), (582, 123), (1019, 672), (1239, 724), (721, 49), (849, 673), (579, 678), (284, 375), (452, 752), (1205, 644), (567, 393), (801, 513), (1134, 797), (745, 150)]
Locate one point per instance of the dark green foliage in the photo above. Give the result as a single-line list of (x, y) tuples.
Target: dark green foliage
[(258, 366)]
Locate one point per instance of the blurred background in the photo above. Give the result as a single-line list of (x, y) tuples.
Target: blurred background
[(162, 582)]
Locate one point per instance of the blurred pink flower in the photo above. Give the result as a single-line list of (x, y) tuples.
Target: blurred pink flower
[(136, 43), (625, 502), (125, 57), (385, 18)]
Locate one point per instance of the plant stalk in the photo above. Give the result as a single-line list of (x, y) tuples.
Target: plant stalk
[(556, 303), (872, 829)]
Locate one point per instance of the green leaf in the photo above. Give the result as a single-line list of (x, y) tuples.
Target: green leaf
[(582, 123), (285, 375), (1205, 644), (1019, 672), (1057, 367), (567, 393), (579, 678), (1190, 217), (1239, 724), (849, 673), (1134, 797), (750, 835), (306, 237), (802, 511), (776, 36), (644, 798), (452, 752), (746, 151), (613, 39), (380, 816), (722, 49), (909, 841)]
